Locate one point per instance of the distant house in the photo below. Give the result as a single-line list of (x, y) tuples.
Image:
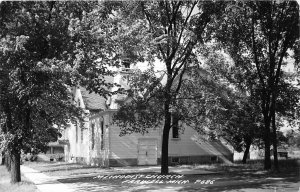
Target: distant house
[(55, 151), (282, 153), (256, 153), (97, 141)]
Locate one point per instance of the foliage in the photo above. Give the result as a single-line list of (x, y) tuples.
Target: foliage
[(258, 36), (171, 32), (104, 41), (293, 138), (237, 119), (34, 91), (143, 110), (37, 65), (196, 105)]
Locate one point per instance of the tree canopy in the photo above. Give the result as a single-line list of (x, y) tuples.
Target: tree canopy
[(36, 66), (172, 30), (258, 36)]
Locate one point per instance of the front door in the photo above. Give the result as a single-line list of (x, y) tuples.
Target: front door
[(147, 152)]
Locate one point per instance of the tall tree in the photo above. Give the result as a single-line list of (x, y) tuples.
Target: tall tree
[(173, 29), (238, 121), (262, 31), (36, 60)]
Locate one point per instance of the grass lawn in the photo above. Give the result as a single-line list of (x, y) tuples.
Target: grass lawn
[(72, 169), (224, 177), (23, 186), (63, 168)]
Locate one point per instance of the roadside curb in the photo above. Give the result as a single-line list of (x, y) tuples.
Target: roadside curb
[(43, 182)]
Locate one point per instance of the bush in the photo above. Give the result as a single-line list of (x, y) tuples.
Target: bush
[(29, 157)]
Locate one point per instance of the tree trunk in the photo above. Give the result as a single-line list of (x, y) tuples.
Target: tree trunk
[(15, 172), (2, 158), (9, 128), (165, 142), (7, 162), (267, 163), (165, 151), (275, 141), (248, 144)]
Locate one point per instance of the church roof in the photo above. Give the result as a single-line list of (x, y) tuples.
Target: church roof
[(92, 101)]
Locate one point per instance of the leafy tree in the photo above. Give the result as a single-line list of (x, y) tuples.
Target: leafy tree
[(98, 46), (245, 125), (171, 30), (259, 34), (144, 111), (237, 120), (36, 60)]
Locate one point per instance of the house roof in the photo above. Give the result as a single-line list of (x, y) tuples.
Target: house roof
[(201, 147), (59, 143), (92, 101), (281, 150), (212, 148)]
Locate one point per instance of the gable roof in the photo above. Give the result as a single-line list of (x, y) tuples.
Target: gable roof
[(92, 101)]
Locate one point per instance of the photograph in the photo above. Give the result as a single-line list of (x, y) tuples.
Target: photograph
[(154, 96)]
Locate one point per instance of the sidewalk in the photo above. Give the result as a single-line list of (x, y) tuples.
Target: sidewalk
[(43, 182)]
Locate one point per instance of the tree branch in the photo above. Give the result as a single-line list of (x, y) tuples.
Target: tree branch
[(255, 56), (182, 29), (180, 79), (151, 28)]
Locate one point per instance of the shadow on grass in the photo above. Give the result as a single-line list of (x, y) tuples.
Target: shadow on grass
[(225, 181), (250, 181)]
